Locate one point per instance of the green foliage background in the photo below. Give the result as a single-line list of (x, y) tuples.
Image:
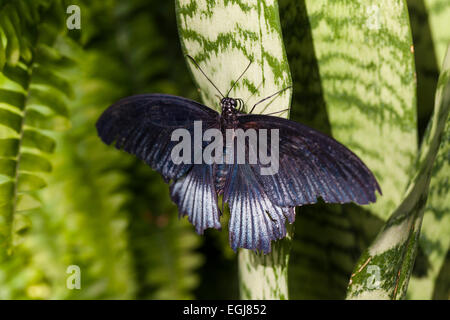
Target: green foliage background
[(66, 199)]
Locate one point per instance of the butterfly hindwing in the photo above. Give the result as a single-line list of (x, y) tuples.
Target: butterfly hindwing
[(196, 197), (254, 219)]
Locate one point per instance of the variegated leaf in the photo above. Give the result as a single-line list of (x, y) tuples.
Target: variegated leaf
[(384, 269), (365, 56), (438, 12)]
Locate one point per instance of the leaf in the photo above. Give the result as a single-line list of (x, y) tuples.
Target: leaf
[(12, 39), (44, 76), (34, 163), (6, 191), (394, 250), (7, 167), (10, 119), (2, 51), (353, 77), (30, 182), (30, 99), (223, 50), (366, 68), (27, 202), (438, 12), (38, 120), (17, 74), (435, 233), (35, 139), (13, 98), (223, 37), (9, 147), (49, 98)]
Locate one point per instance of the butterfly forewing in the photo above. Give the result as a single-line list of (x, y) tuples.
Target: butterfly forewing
[(143, 125)]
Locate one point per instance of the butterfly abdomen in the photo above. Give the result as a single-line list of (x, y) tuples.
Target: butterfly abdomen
[(221, 175)]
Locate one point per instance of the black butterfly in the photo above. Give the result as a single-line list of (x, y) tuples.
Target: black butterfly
[(312, 165)]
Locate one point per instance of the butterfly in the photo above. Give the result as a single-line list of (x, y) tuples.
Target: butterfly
[(311, 165)]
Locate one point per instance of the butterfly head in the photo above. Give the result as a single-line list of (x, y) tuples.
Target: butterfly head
[(228, 103), (228, 106)]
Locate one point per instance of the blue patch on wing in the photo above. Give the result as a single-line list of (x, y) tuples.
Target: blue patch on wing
[(196, 197), (255, 220)]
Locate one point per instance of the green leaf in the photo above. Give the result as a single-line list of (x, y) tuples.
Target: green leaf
[(35, 139), (13, 98), (7, 167), (438, 12), (224, 50), (366, 68), (39, 120), (34, 163), (9, 147), (353, 76), (27, 202), (10, 119), (50, 99), (6, 192), (30, 182), (394, 250), (17, 74), (2, 51), (12, 44), (44, 76), (223, 38), (435, 233)]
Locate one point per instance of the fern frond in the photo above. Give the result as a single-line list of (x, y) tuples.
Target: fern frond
[(32, 100)]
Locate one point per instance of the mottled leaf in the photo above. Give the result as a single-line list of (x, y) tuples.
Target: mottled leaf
[(366, 67), (384, 269)]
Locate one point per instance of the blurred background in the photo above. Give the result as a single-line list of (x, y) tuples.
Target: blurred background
[(107, 212)]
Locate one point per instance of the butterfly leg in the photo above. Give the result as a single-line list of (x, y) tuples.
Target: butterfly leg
[(271, 96)]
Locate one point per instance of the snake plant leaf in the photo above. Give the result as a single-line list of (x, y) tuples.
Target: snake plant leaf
[(366, 66), (435, 233), (384, 269), (224, 37), (438, 12), (353, 72)]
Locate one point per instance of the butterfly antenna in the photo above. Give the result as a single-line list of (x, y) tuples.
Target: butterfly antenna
[(239, 77), (271, 96), (196, 64), (269, 114)]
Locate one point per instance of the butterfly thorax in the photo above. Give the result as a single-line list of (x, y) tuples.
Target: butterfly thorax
[(229, 113)]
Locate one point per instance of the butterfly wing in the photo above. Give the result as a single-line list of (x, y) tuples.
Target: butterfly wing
[(255, 220), (143, 124), (196, 197), (311, 165)]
